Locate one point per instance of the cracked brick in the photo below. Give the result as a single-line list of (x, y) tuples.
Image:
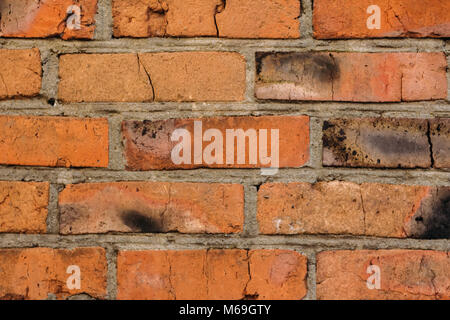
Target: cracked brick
[(165, 76), (351, 76), (347, 208), (404, 275), (440, 142), (37, 273), (211, 274), (345, 19), (44, 19), (151, 207), (207, 18)]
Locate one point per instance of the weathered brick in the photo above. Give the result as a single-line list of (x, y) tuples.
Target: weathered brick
[(166, 76), (44, 19), (351, 76), (369, 209), (440, 141), (148, 144), (20, 73), (376, 142), (339, 19), (404, 274), (217, 18), (23, 206), (53, 141), (211, 274), (39, 273), (151, 207)]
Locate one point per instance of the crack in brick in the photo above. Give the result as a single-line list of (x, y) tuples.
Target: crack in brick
[(219, 9), (148, 75), (430, 143)]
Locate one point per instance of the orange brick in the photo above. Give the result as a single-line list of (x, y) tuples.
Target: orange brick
[(23, 206), (34, 274), (176, 76), (20, 73), (404, 274), (43, 19), (211, 274), (151, 207), (338, 19), (53, 141), (351, 76), (196, 18), (148, 144), (369, 209)]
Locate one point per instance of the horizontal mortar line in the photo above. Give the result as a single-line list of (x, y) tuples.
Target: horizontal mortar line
[(241, 176), (182, 241), (142, 111), (213, 44)]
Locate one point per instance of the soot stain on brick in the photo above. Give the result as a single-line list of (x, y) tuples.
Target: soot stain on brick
[(432, 219), (295, 66), (393, 143), (334, 139), (139, 222)]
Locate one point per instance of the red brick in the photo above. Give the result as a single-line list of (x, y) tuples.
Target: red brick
[(23, 206), (351, 76), (211, 274), (148, 144), (440, 140), (151, 207), (404, 274), (338, 19), (377, 143), (34, 274), (20, 73), (175, 76), (197, 18), (53, 141), (44, 19), (347, 208)]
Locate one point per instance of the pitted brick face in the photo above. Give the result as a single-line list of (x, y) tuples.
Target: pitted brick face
[(270, 19), (44, 19), (211, 274), (23, 206), (351, 76), (345, 19), (376, 143), (440, 142), (151, 207), (404, 274)]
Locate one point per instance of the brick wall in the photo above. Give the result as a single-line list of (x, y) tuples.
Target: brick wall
[(100, 197)]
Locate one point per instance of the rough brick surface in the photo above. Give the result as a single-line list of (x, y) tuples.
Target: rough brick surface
[(338, 19), (53, 141), (177, 76), (404, 274), (41, 273), (151, 207), (214, 18), (348, 208), (20, 73), (363, 77), (49, 18), (377, 142), (148, 144), (211, 274), (440, 141), (23, 206)]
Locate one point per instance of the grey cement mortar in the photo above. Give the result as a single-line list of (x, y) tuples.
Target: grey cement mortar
[(309, 245)]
